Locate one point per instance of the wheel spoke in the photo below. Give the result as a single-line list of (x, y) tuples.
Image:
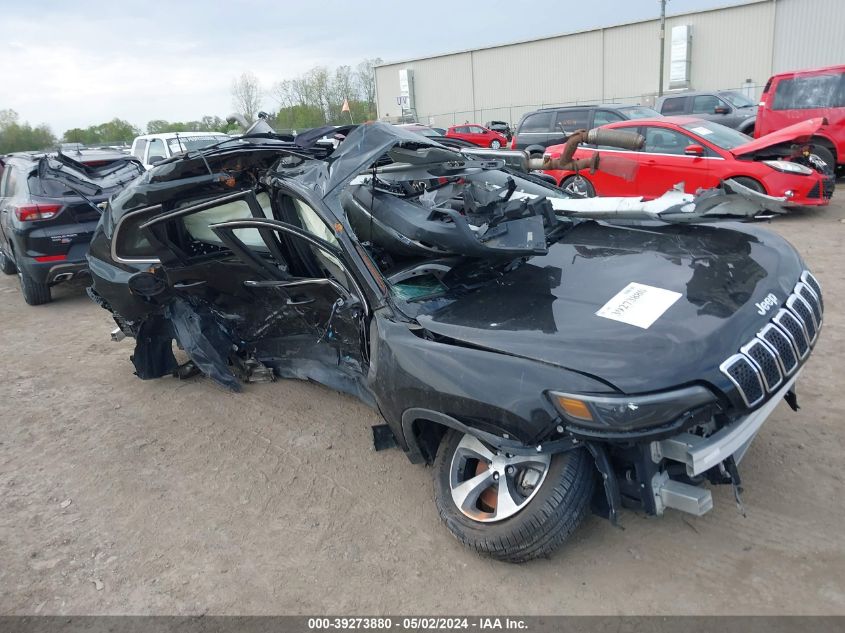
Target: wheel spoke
[(540, 459), (505, 504), (472, 444), (466, 494)]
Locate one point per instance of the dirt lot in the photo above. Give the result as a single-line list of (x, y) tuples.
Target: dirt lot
[(123, 496)]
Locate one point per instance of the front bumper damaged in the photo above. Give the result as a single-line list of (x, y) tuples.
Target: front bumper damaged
[(700, 454)]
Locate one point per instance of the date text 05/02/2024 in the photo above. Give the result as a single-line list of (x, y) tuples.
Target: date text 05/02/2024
[(416, 623)]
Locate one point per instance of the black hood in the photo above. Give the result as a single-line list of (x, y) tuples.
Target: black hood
[(546, 309)]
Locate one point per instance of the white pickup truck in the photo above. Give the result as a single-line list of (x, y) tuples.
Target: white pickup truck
[(154, 148)]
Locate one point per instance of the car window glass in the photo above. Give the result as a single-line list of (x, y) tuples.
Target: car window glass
[(197, 224), (476, 130), (673, 106), (639, 112), (132, 243), (717, 134), (603, 117), (660, 140), (319, 258), (140, 146), (705, 104), (798, 93), (156, 149), (539, 122), (10, 181), (571, 120), (3, 178), (738, 100)]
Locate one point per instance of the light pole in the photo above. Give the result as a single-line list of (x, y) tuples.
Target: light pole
[(662, 44)]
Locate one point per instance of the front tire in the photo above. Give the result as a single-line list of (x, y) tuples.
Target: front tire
[(827, 156), (543, 500), (752, 184), (495, 144)]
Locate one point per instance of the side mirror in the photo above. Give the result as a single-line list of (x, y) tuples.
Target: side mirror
[(155, 159), (694, 150), (721, 110)]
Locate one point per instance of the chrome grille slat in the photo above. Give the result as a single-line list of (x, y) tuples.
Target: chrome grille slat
[(790, 324), (800, 309), (744, 374), (806, 293), (808, 278), (762, 364), (785, 350), (766, 361)]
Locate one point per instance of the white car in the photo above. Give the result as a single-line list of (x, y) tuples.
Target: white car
[(154, 148)]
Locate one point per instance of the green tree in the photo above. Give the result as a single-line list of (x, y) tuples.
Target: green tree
[(20, 137), (114, 132)]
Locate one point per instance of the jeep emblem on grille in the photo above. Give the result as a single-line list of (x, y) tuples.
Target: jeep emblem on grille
[(769, 302)]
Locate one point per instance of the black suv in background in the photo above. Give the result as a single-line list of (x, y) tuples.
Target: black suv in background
[(728, 107), (48, 212), (542, 128)]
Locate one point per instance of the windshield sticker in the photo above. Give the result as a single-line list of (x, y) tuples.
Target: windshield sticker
[(701, 131), (639, 305)]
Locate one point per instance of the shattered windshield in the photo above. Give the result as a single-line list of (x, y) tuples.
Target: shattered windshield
[(427, 215)]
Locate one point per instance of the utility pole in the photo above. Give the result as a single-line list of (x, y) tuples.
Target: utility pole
[(662, 44)]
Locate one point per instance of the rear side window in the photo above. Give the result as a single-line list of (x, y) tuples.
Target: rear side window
[(538, 122), (571, 120), (140, 146), (9, 183), (674, 105), (802, 93), (156, 150), (131, 243)]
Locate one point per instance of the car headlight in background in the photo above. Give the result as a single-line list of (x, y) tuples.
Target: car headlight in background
[(788, 168), (626, 413)]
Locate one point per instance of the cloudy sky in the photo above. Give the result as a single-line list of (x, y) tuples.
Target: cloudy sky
[(73, 64)]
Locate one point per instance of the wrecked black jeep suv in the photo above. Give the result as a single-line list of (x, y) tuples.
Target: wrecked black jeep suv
[(528, 344)]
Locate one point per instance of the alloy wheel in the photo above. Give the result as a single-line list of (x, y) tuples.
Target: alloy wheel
[(490, 486)]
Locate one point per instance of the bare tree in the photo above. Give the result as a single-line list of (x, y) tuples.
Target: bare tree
[(246, 95), (365, 75)]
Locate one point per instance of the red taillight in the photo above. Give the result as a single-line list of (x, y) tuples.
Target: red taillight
[(51, 258), (26, 212), (513, 141)]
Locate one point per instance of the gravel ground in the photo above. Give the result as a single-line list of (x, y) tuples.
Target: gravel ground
[(119, 496)]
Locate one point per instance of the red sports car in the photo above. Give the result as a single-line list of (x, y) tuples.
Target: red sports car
[(700, 154), (477, 135)]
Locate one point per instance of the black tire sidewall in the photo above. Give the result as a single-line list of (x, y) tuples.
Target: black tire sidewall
[(34, 293), (826, 155), (750, 183), (534, 520), (7, 264)]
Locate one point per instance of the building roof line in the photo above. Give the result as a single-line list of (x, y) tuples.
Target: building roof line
[(733, 5)]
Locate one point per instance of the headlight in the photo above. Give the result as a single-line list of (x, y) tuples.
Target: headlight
[(788, 168), (626, 413)]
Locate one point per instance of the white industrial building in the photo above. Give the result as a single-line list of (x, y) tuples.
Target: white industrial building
[(731, 47)]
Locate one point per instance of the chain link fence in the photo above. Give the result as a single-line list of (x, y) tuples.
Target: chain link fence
[(512, 113)]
